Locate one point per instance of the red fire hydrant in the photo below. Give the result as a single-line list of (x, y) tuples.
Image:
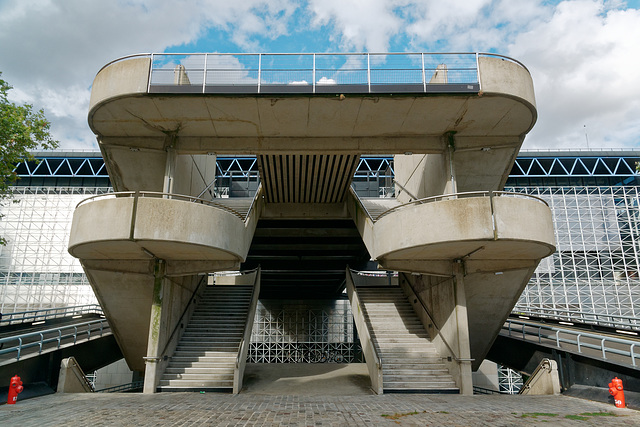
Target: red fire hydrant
[(15, 387), (615, 390)]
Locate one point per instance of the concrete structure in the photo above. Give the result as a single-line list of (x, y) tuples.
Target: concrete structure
[(465, 250)]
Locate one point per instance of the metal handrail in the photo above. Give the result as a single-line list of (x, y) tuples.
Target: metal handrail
[(630, 322), (53, 335), (159, 195), (257, 195), (204, 279), (311, 69), (451, 196), (48, 313), (555, 337), (354, 193)]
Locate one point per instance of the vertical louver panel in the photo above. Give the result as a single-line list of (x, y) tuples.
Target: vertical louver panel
[(306, 178)]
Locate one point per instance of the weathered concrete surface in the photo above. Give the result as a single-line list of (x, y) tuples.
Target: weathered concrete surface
[(251, 124), (126, 299), (132, 228), (477, 228), (72, 379)]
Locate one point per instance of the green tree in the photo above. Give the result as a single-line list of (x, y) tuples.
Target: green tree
[(21, 131)]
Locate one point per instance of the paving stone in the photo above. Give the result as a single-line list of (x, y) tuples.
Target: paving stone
[(185, 409)]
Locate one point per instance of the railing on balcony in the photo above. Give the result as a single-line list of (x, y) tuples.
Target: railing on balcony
[(329, 73)]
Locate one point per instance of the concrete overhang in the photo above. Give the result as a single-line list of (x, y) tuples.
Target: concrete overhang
[(112, 232), (489, 233), (124, 113)]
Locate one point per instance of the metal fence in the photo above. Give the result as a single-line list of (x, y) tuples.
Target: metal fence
[(48, 314), (600, 346), (50, 339)]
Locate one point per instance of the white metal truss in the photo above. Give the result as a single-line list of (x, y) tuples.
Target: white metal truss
[(509, 381), (596, 267), (304, 332), (574, 166), (36, 271)]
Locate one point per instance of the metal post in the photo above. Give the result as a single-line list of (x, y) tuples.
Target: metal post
[(369, 72), (424, 77), (150, 74), (204, 77), (259, 70), (478, 71)]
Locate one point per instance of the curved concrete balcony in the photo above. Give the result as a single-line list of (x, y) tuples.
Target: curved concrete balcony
[(143, 225), (253, 104), (494, 227)]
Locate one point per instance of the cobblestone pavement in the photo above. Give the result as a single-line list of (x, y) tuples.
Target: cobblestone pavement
[(179, 409)]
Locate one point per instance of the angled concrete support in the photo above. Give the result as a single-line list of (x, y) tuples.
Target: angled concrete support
[(462, 326), (157, 323)]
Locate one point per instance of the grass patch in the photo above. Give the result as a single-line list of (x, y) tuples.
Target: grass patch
[(537, 414)]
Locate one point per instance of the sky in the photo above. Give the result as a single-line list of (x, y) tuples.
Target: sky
[(583, 55)]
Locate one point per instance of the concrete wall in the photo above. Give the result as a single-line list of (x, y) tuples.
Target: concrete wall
[(120, 78), (141, 170), (115, 374), (487, 376), (193, 173), (169, 229), (126, 301), (505, 77), (423, 175)]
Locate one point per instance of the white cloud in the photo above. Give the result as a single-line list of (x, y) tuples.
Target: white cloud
[(583, 54), (49, 49), (584, 61), (326, 81), (361, 24)]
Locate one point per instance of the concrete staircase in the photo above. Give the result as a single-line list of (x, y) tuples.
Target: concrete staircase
[(205, 358), (410, 361)]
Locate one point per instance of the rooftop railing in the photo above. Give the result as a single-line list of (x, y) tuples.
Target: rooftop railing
[(329, 73)]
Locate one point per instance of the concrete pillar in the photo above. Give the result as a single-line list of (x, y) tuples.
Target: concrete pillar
[(169, 171), (462, 324), (151, 374)]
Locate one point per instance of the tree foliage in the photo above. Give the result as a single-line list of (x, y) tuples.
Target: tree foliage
[(21, 130)]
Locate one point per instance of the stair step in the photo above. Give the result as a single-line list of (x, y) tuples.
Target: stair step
[(222, 376), (410, 361), (406, 384), (206, 354), (196, 383), (197, 370)]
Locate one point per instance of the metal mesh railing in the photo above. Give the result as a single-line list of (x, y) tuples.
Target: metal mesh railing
[(314, 72)]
